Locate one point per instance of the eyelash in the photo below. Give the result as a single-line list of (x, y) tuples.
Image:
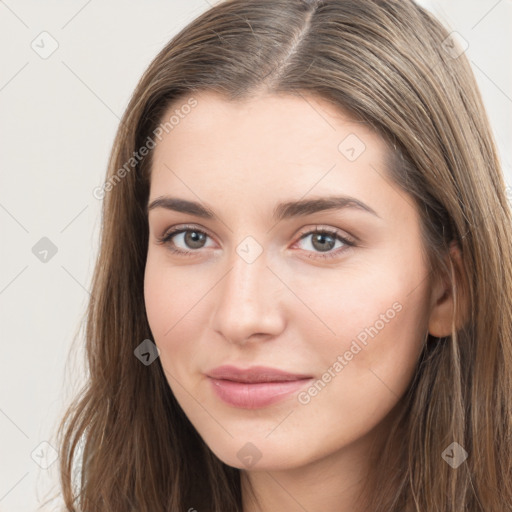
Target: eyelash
[(167, 237)]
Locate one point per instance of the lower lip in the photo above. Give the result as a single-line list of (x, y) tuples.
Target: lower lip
[(255, 395)]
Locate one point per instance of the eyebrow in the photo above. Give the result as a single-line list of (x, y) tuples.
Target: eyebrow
[(285, 210)]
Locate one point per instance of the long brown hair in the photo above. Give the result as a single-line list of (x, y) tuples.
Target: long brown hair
[(391, 65)]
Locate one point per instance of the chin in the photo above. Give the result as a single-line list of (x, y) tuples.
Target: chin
[(257, 456)]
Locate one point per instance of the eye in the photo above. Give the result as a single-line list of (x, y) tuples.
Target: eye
[(323, 241), (190, 236)]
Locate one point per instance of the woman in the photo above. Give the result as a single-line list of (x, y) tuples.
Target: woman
[(302, 299)]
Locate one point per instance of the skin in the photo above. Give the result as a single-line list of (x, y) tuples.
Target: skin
[(287, 310)]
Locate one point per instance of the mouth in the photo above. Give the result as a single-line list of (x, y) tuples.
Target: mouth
[(254, 387)]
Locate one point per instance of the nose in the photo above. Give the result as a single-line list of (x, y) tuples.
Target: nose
[(249, 303)]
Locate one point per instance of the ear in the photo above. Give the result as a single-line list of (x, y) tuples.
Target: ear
[(442, 300)]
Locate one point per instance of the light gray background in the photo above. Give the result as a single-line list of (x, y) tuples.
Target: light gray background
[(58, 119)]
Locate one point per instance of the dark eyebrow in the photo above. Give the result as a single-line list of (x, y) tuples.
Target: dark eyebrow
[(310, 206), (281, 211)]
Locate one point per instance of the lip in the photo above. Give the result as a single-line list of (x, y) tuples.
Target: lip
[(254, 387)]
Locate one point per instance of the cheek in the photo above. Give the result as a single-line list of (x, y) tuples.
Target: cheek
[(174, 299), (379, 318), (170, 293)]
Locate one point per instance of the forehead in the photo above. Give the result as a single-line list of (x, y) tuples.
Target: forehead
[(267, 147), (270, 120)]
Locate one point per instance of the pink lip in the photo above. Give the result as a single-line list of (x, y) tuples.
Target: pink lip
[(254, 387)]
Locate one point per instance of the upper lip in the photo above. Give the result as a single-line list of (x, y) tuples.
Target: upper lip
[(254, 374)]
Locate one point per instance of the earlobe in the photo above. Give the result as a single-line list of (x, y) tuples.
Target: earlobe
[(442, 311)]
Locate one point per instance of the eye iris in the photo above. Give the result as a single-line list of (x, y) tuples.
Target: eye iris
[(321, 237), (192, 237)]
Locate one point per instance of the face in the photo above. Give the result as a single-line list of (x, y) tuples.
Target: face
[(333, 302)]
